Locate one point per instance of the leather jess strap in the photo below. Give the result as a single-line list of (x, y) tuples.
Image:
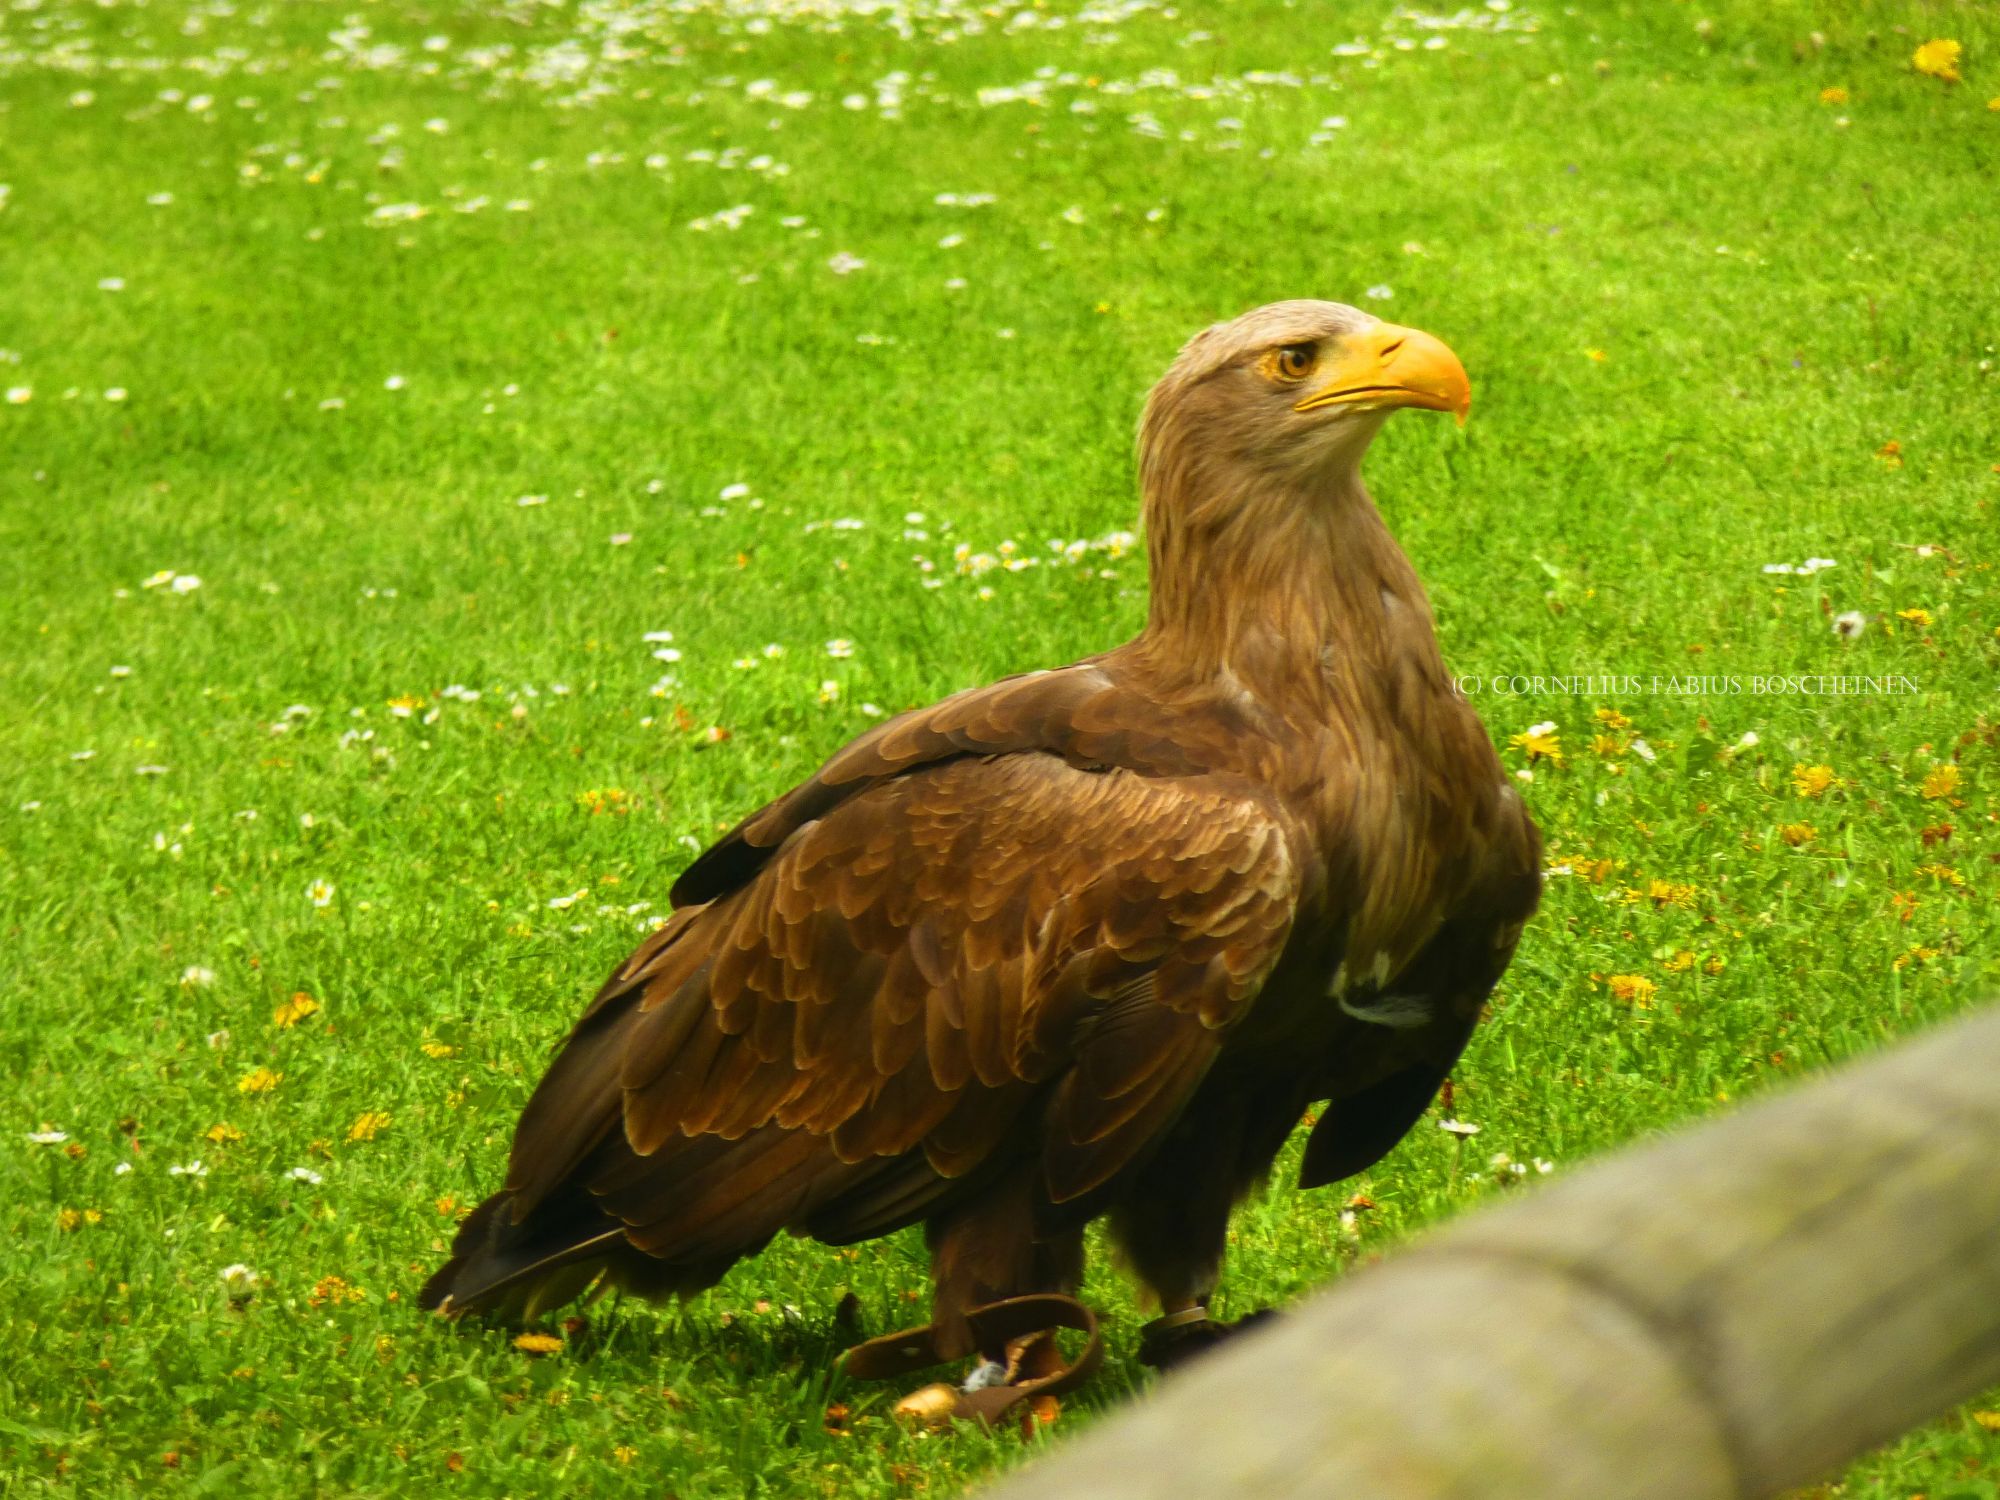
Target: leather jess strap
[(1008, 1323)]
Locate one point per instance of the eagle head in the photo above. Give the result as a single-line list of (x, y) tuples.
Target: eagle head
[(1298, 385)]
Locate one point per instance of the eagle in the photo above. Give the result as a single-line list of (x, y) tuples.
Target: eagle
[(1087, 942)]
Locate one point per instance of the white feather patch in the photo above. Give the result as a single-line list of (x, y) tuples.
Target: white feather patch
[(986, 1372)]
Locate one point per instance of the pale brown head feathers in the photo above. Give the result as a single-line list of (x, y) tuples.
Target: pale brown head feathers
[(1294, 387), (1249, 462)]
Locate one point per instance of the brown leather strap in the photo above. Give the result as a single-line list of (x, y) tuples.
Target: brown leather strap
[(1168, 1322), (993, 1325)]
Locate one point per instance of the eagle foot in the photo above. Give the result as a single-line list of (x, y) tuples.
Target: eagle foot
[(1168, 1343), (1031, 1362), (1022, 1383)]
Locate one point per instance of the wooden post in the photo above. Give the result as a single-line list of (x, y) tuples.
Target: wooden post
[(1717, 1315)]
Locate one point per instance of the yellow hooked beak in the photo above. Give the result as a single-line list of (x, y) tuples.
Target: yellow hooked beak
[(1389, 366)]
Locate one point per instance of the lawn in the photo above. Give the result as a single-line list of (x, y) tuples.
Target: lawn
[(384, 382)]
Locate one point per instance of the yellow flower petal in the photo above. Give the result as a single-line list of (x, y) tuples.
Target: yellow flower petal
[(1938, 59), (1633, 989), (1940, 781)]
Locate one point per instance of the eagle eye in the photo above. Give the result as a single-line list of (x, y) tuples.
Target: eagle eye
[(1294, 361)]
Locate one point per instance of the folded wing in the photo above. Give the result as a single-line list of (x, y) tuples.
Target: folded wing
[(930, 972)]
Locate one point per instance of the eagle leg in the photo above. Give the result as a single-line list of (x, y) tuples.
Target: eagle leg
[(987, 1249), (1170, 1341)]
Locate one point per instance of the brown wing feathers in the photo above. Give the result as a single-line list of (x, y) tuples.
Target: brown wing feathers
[(1078, 713), (909, 972)]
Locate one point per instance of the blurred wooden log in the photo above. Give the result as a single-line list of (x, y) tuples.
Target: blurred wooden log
[(1717, 1315)]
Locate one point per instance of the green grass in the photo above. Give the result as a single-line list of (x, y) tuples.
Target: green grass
[(1778, 287)]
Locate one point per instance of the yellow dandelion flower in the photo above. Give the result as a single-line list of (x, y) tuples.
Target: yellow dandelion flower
[(1610, 718), (1715, 965), (223, 1134), (1596, 871), (610, 799), (1938, 59), (438, 1049), (537, 1343), (1834, 95), (1681, 962), (1940, 781), (1633, 989), (68, 1220), (1917, 955), (1665, 893), (93, 1216), (1541, 742), (1942, 872), (259, 1081), (294, 1010), (1993, 104), (370, 1124), (1921, 618), (1812, 781), (1796, 834), (405, 705), (624, 1453), (334, 1290), (1606, 745), (1990, 1420)]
